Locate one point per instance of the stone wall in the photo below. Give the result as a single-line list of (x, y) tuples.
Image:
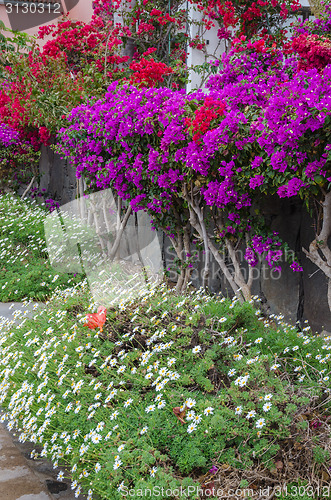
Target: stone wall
[(298, 296), (57, 177)]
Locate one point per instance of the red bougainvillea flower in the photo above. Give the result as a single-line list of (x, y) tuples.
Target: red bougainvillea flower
[(96, 320)]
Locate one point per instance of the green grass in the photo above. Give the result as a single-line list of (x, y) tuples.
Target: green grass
[(25, 271)]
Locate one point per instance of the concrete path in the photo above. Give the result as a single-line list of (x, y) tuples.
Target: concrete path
[(17, 480), (10, 310), (23, 478)]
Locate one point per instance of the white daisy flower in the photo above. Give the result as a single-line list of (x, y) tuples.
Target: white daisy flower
[(190, 415), (197, 419), (150, 408), (260, 423), (208, 411), (117, 464), (60, 476), (238, 410), (189, 403), (121, 486), (191, 428), (153, 471), (96, 438), (251, 414)]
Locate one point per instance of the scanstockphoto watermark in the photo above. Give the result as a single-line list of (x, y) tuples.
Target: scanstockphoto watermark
[(26, 14), (117, 249), (261, 271), (194, 492)]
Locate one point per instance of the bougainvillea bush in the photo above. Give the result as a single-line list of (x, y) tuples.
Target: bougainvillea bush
[(40, 85), (80, 59), (217, 155), (267, 19), (44, 84), (169, 31), (168, 392)]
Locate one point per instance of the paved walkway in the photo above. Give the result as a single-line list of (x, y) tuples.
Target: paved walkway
[(22, 478), (10, 309), (17, 480)]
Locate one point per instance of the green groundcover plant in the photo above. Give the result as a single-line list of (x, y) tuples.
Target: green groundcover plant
[(25, 271), (171, 392)]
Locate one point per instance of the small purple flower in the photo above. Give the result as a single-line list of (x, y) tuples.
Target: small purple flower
[(257, 161), (296, 267), (256, 181)]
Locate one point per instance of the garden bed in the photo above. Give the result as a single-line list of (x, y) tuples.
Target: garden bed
[(194, 392)]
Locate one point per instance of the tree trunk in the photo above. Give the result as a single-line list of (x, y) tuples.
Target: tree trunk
[(319, 252)]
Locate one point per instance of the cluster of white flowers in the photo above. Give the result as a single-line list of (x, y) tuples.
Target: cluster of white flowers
[(56, 381)]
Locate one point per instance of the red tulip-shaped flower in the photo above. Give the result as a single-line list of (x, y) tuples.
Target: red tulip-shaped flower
[(96, 320)]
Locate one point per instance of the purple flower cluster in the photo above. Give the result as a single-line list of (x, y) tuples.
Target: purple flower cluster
[(8, 136), (116, 141), (52, 204), (261, 245)]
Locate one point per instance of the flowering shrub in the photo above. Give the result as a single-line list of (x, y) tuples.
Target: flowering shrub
[(315, 51), (165, 397), (35, 101), (164, 141), (84, 44), (155, 25), (148, 73), (18, 159), (226, 151), (204, 116), (81, 59), (78, 61), (250, 18)]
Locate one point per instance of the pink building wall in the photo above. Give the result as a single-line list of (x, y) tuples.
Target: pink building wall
[(82, 11)]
